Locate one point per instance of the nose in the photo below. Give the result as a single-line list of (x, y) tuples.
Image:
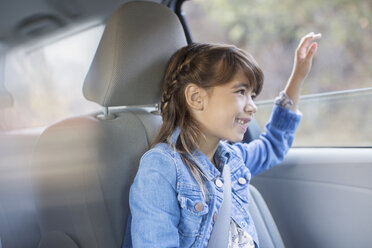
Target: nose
[(250, 107)]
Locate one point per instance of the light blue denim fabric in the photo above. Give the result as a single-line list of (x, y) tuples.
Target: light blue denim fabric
[(164, 195)]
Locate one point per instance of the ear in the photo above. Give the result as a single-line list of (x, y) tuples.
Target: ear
[(195, 96)]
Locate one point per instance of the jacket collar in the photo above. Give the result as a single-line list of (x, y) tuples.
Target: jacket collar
[(221, 157)]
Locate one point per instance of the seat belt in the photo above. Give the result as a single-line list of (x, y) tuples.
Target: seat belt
[(220, 233)]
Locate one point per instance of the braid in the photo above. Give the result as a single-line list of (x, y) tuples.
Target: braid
[(172, 82), (167, 94)]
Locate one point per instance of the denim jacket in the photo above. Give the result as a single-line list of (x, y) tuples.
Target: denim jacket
[(167, 205)]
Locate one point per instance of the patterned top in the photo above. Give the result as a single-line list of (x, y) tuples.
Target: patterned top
[(238, 238)]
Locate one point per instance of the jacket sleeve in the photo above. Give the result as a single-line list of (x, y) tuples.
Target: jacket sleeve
[(273, 144), (153, 202)]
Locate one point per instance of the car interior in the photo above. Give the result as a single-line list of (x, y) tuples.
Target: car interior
[(68, 184)]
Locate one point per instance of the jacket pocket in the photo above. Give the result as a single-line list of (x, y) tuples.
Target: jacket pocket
[(194, 211), (239, 183)]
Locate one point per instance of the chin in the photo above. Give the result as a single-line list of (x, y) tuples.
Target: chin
[(237, 138)]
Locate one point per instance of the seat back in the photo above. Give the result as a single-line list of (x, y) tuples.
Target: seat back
[(17, 208), (84, 166), (267, 231)]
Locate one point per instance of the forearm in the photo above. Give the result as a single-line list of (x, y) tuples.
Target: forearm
[(293, 90), (270, 149)]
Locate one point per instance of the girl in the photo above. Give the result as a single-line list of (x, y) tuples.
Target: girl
[(208, 99)]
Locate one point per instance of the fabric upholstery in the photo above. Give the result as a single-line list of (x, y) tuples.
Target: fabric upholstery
[(132, 56), (17, 208), (267, 230), (84, 169), (57, 239)]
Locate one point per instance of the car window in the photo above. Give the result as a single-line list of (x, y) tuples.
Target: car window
[(46, 82), (338, 91)]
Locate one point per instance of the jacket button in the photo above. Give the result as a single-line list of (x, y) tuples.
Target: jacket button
[(219, 183), (242, 181), (214, 217), (199, 207)]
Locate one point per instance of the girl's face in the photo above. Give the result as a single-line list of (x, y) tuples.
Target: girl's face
[(228, 109)]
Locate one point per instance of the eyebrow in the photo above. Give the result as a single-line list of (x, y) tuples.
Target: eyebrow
[(239, 85)]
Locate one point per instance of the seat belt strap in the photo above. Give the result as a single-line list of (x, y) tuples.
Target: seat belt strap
[(220, 233)]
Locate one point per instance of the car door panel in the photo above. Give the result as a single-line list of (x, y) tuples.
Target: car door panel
[(321, 197)]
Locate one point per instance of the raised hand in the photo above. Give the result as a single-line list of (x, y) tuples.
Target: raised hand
[(304, 55), (302, 65)]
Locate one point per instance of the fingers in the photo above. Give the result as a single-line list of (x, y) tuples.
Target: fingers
[(308, 38), (304, 43), (312, 50)]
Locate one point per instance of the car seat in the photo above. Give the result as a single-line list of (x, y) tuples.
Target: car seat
[(267, 231), (84, 166)]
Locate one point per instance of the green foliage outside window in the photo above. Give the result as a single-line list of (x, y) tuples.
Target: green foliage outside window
[(271, 29)]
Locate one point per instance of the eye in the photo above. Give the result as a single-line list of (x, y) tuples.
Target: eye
[(241, 92), (253, 96)]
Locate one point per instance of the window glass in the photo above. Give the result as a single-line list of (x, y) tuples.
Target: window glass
[(337, 119), (46, 83), (334, 114)]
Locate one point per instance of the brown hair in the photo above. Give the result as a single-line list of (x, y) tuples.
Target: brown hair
[(206, 65)]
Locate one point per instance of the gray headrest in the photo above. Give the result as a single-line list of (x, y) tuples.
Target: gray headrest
[(130, 61)]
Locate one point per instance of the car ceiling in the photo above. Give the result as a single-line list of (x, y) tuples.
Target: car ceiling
[(23, 21)]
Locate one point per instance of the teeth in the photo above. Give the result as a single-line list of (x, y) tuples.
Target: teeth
[(241, 122)]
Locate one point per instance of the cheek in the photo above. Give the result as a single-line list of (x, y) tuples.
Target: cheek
[(224, 109)]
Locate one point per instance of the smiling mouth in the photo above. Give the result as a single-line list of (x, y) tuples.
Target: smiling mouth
[(243, 121)]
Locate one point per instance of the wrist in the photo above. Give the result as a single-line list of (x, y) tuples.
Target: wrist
[(284, 100)]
